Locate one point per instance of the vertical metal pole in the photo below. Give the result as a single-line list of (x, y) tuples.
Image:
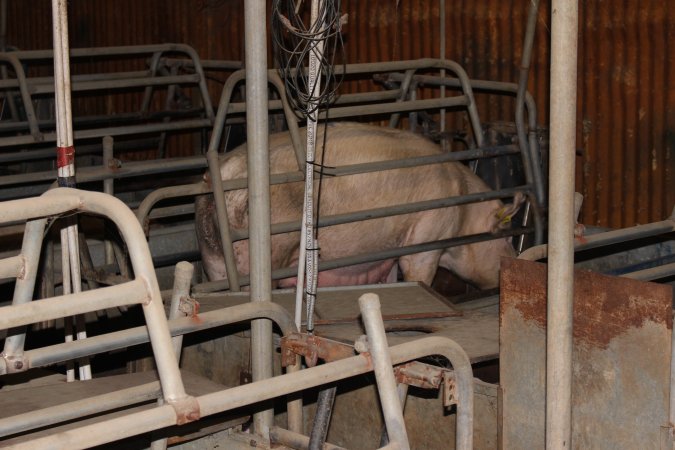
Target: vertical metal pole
[(65, 159), (108, 188), (258, 194), (444, 141), (384, 372), (182, 277), (561, 224)]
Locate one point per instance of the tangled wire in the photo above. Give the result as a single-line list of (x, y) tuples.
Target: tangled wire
[(294, 42)]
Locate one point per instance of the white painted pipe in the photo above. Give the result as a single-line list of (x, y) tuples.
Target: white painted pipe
[(257, 131), (561, 224), (384, 373)]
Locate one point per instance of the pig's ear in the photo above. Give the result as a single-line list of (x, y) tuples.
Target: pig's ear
[(501, 218)]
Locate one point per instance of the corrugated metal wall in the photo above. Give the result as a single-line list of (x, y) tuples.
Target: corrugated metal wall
[(626, 70)]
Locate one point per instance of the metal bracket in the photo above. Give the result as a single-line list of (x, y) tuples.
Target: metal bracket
[(449, 389), (312, 348), (13, 364), (419, 375), (426, 376)]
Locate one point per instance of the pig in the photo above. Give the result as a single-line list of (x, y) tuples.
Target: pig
[(353, 143)]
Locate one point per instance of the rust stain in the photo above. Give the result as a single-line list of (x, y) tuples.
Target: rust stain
[(604, 307)]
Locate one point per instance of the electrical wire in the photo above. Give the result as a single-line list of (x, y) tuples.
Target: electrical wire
[(293, 43)]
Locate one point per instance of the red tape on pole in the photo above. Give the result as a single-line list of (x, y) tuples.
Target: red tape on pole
[(65, 156)]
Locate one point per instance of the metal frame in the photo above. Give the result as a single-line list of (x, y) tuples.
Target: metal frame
[(29, 87), (163, 416)]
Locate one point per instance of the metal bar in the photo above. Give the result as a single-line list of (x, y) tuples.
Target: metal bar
[(369, 304), (181, 290), (11, 267), (654, 273), (393, 210), (25, 285), (299, 441), (84, 86), (29, 110), (147, 94), (108, 188), (564, 30), (79, 408), (520, 100), (130, 293), (110, 131), (259, 195), (58, 353), (4, 84), (213, 286), (608, 238), (89, 52), (129, 169), (240, 183)]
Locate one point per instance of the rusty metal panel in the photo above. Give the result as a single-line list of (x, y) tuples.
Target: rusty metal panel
[(621, 359), (626, 107)]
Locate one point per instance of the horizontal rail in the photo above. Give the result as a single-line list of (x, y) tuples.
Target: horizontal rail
[(130, 293), (608, 238), (279, 274), (93, 345)]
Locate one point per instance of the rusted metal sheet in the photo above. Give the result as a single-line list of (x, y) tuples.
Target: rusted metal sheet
[(626, 108), (621, 359)]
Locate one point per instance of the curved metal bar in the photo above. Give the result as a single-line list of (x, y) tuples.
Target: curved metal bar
[(141, 260), (12, 59)]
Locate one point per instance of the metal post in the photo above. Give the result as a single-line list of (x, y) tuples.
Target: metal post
[(182, 277), (561, 224), (65, 159), (259, 194), (384, 373), (108, 188)]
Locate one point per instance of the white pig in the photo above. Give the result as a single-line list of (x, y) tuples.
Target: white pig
[(351, 143)]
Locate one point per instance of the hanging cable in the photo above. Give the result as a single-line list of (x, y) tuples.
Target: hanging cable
[(315, 47)]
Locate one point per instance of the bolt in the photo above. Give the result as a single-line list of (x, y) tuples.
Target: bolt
[(18, 365), (253, 443)]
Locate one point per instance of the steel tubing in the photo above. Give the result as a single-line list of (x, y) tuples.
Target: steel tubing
[(25, 284), (12, 59), (294, 440), (407, 208), (11, 267), (378, 349), (133, 292), (259, 195), (654, 273), (608, 238), (141, 260), (111, 131), (163, 416), (58, 353), (240, 183), (79, 408), (564, 36), (213, 286)]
